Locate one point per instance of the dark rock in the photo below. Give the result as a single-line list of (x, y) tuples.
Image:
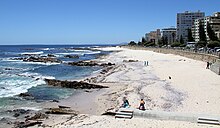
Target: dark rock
[(72, 56), (83, 63), (107, 64), (26, 95), (26, 124), (38, 116), (8, 69), (61, 111), (18, 112), (42, 59), (73, 84), (61, 106), (130, 60), (16, 115), (89, 63), (55, 101), (51, 55)]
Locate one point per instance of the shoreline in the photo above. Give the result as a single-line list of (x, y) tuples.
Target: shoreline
[(186, 90)]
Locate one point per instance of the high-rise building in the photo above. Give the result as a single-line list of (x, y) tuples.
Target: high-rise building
[(213, 21), (185, 21), (170, 34), (153, 36)]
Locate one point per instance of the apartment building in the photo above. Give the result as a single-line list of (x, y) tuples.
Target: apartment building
[(185, 21), (214, 22), (153, 36), (170, 34)]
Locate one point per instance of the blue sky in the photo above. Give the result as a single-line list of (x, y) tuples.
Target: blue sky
[(90, 21)]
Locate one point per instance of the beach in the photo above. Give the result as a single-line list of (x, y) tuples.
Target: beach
[(168, 83)]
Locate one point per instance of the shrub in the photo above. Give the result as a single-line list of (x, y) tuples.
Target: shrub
[(213, 44)]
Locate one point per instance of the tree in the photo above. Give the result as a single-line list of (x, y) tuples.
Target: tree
[(211, 33), (166, 41), (213, 44), (140, 43), (160, 43), (143, 40), (173, 36), (181, 40), (202, 35), (175, 44), (190, 37), (132, 43)]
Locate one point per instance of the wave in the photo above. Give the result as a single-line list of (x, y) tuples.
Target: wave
[(38, 63), (45, 49), (96, 52), (32, 53), (19, 84), (36, 75), (15, 87)]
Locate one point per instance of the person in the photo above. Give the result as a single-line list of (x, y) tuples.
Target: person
[(207, 67), (141, 107), (125, 103)]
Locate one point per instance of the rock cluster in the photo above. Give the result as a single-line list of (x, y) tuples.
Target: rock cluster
[(71, 56), (89, 63), (73, 84), (39, 59), (42, 59)]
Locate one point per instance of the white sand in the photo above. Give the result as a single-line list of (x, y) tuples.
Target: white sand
[(191, 89)]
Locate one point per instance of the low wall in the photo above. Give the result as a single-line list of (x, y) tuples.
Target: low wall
[(215, 67)]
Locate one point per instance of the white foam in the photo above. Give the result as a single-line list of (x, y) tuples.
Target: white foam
[(36, 75), (45, 49), (96, 52), (39, 63), (19, 85), (32, 53), (15, 87), (31, 108), (70, 53)]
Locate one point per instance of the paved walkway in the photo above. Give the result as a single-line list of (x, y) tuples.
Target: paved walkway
[(162, 115)]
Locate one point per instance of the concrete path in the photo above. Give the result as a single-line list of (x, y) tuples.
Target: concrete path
[(162, 115)]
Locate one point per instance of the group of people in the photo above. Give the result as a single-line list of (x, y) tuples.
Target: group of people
[(127, 105)]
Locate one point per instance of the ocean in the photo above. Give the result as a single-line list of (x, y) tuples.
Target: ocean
[(17, 76)]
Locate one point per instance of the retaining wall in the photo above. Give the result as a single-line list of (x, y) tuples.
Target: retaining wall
[(215, 60)]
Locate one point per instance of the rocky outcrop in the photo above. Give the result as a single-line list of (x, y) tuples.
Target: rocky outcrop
[(73, 84), (89, 63), (18, 112), (26, 124), (38, 116), (26, 95), (42, 59), (130, 60), (61, 111), (71, 56), (39, 59)]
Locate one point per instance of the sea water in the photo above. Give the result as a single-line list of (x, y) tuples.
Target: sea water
[(17, 76)]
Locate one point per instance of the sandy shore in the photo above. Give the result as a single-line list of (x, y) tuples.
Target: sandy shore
[(168, 83)]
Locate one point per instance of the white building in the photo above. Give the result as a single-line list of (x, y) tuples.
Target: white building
[(185, 21), (170, 34), (214, 22)]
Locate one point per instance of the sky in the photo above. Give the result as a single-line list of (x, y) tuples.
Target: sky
[(90, 21)]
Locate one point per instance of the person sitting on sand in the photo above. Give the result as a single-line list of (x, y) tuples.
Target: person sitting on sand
[(125, 103), (141, 107)]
